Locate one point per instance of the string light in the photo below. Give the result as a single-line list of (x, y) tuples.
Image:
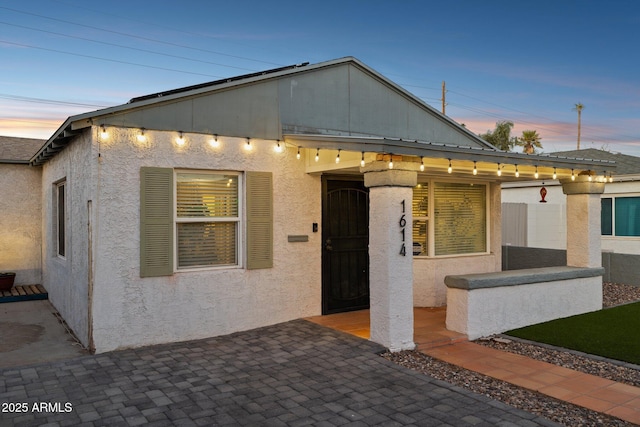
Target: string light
[(141, 136), (536, 174), (590, 178), (573, 176), (317, 154), (610, 177), (103, 132), (449, 169), (499, 170), (278, 148), (180, 139), (555, 175), (517, 172), (391, 161), (362, 160), (248, 146), (421, 163), (338, 157), (475, 168), (298, 154), (213, 142)]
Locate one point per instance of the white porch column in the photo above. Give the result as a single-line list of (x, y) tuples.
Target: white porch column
[(583, 221), (391, 253)]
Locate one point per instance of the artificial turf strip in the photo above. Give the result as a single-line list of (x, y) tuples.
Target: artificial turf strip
[(613, 333)]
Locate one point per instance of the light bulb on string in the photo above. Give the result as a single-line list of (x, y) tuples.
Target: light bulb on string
[(103, 132), (278, 148), (449, 169), (180, 139), (391, 161), (362, 160), (248, 146), (536, 175), (573, 176), (317, 154), (298, 154), (517, 172), (555, 175), (499, 170), (475, 168), (141, 137), (213, 142), (422, 164), (338, 157)]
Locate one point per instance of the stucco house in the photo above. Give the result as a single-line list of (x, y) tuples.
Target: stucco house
[(20, 209), (299, 191)]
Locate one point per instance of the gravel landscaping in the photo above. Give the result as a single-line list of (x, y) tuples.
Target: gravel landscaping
[(531, 401)]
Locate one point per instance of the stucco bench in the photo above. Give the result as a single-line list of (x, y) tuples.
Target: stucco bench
[(489, 303)]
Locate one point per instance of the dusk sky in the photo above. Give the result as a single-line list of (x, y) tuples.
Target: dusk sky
[(529, 62)]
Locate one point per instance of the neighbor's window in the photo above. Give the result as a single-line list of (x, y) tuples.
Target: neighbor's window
[(620, 216), (207, 219), (458, 212), (60, 221)]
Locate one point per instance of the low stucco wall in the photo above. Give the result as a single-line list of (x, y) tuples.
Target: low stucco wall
[(21, 222), (489, 305), (429, 289)]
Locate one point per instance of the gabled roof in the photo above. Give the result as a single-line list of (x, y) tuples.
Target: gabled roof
[(18, 150), (315, 106)]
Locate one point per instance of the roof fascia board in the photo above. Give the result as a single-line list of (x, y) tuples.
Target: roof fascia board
[(428, 149)]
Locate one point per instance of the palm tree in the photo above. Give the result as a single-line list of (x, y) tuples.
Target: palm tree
[(530, 140), (501, 136), (578, 107)]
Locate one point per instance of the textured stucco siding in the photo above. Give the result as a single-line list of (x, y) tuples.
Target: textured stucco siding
[(131, 311), (67, 278), (20, 222)]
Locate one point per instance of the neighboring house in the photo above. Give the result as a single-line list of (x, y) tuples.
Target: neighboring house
[(20, 209), (264, 198), (528, 222)]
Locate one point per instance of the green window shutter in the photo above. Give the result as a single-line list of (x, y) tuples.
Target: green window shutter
[(259, 220), (156, 222)]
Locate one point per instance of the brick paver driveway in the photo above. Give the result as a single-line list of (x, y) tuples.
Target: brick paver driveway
[(296, 373)]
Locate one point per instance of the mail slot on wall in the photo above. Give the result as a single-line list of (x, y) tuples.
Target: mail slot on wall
[(298, 238)]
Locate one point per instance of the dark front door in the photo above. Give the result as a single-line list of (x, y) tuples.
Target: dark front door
[(345, 236)]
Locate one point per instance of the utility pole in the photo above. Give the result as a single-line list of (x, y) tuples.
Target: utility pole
[(444, 102), (579, 108)]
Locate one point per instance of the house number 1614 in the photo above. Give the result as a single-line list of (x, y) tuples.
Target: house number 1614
[(402, 223)]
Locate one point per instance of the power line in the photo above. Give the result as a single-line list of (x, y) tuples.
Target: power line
[(127, 47), (137, 36), (108, 60), (48, 101)]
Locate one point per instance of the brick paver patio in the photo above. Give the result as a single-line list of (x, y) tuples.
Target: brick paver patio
[(296, 373)]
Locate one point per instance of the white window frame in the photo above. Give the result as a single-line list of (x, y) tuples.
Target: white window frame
[(239, 220), (613, 197), (431, 223)]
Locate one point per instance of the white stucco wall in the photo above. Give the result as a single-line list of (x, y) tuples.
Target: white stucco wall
[(131, 311), (66, 278), (20, 222), (482, 312)]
